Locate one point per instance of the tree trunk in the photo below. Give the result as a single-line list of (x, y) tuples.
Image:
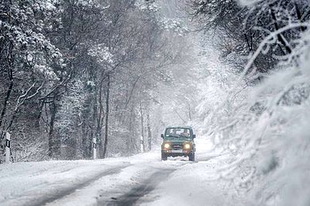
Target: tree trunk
[(7, 97), (106, 117), (6, 100), (149, 133), (7, 58), (299, 16), (51, 139), (142, 128), (99, 120), (280, 37)]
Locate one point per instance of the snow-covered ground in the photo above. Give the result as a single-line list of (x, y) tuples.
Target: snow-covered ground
[(141, 179)]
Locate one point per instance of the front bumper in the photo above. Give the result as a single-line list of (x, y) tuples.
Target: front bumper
[(176, 152)]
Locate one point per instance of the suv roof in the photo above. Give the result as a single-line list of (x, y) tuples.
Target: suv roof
[(185, 127)]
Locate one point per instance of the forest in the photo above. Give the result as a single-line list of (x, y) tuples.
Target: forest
[(76, 70)]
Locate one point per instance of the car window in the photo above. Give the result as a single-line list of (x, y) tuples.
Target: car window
[(178, 132)]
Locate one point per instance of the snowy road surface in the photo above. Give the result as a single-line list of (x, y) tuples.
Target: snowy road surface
[(139, 180)]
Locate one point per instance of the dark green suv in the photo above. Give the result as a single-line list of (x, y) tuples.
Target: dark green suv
[(178, 141)]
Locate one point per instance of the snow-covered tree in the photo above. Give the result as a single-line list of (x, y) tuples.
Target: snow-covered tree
[(28, 59), (264, 124)]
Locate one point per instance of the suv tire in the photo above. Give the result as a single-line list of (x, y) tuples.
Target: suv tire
[(163, 156), (191, 157)]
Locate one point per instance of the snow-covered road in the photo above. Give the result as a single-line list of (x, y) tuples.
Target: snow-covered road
[(138, 180)]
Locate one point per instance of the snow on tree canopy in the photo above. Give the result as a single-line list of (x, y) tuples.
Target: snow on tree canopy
[(101, 53)]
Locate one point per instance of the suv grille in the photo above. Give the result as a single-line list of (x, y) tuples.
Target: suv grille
[(177, 146)]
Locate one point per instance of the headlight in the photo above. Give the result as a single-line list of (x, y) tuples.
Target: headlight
[(187, 146), (166, 145)]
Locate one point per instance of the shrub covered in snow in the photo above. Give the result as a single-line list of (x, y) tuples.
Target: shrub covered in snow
[(265, 123)]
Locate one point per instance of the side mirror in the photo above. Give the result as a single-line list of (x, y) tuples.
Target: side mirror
[(162, 136), (194, 136)]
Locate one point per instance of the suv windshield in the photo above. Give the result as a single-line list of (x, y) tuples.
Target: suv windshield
[(178, 132)]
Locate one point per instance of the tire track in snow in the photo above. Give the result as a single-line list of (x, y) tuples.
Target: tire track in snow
[(134, 195), (70, 190)]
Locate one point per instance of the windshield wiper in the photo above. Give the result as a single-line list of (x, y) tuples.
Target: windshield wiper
[(173, 135)]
